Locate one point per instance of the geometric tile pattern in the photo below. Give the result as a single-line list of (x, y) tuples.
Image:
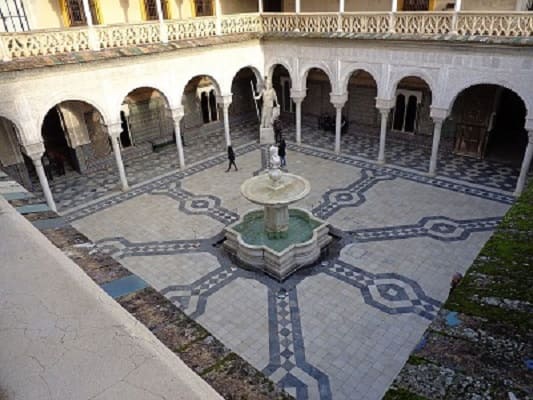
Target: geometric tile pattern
[(163, 184), (386, 293), (119, 247), (199, 291), (389, 292), (192, 204), (488, 173), (436, 227), (287, 362), (74, 190), (350, 196), (455, 186)]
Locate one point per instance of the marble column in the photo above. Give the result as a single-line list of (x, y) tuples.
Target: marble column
[(114, 131), (163, 33), (298, 97), (43, 180), (218, 16), (35, 152), (225, 101), (94, 43), (177, 115), (260, 6), (338, 101), (392, 17), (455, 17), (435, 147), (526, 163), (383, 134), (339, 20)]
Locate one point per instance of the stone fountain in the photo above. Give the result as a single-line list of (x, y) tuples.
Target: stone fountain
[(276, 240)]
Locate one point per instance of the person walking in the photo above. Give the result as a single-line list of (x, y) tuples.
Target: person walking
[(231, 159), (282, 152)]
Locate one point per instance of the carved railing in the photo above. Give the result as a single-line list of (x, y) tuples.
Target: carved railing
[(365, 22), (42, 43), (426, 23), (56, 41), (193, 28), (240, 23), (495, 24), (318, 23), (113, 36), (302, 22), (277, 22)]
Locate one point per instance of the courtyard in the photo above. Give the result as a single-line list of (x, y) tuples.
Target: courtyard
[(340, 329)]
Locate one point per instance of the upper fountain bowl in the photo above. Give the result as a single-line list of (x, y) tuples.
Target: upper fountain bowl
[(285, 190)]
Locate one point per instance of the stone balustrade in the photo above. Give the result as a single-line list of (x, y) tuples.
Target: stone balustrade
[(15, 45)]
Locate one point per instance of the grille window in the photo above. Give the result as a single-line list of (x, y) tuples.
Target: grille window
[(77, 15)]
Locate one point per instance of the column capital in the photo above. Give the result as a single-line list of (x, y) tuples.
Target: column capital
[(225, 99), (338, 99), (298, 95), (439, 114), (114, 129), (384, 105), (34, 150), (177, 113)]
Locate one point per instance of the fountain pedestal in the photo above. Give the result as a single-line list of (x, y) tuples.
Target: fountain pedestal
[(266, 135), (276, 240), (276, 221)]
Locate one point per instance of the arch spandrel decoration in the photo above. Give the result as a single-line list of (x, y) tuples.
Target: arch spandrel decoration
[(216, 84), (272, 64), (325, 68), (455, 87), (52, 102), (349, 69), (123, 93)]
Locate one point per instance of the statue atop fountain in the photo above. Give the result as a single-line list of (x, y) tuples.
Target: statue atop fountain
[(269, 112)]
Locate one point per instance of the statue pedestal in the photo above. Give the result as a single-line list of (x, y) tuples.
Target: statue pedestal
[(266, 136)]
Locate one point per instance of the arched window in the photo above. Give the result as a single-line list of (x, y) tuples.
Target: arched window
[(74, 15), (406, 110)]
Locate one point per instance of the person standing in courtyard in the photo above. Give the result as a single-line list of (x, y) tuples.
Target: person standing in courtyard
[(231, 159), (282, 152), (277, 130)]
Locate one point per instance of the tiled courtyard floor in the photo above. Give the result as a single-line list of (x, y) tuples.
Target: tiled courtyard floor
[(341, 329), (74, 190)]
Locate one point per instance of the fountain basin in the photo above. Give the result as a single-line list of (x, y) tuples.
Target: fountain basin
[(278, 256)]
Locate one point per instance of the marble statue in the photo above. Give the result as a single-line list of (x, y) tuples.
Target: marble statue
[(270, 110)]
